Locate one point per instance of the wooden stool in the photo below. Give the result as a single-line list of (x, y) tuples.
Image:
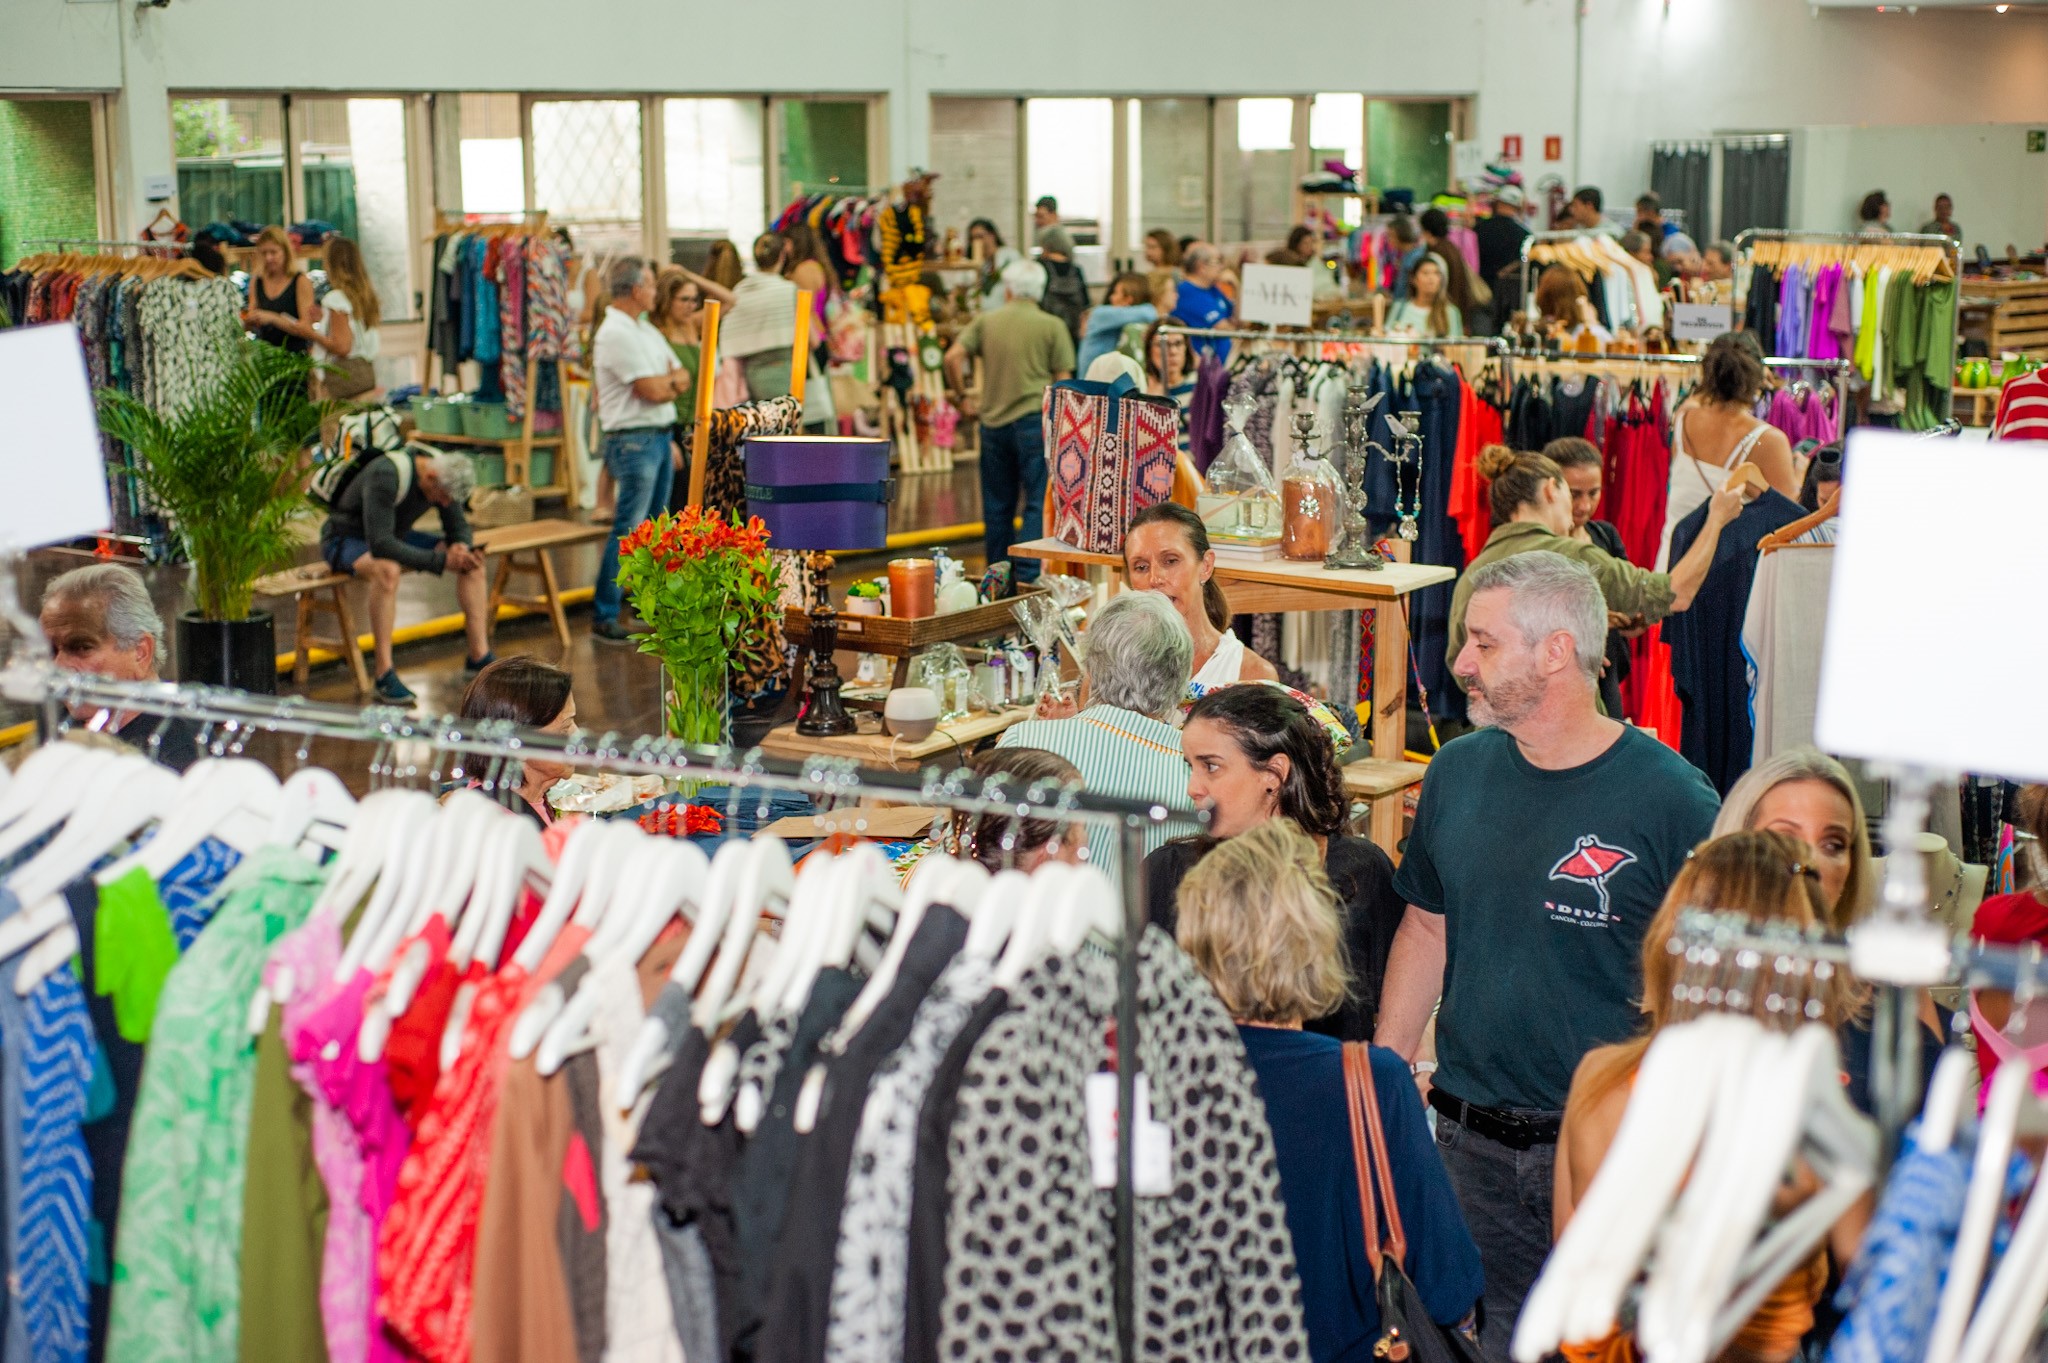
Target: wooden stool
[(317, 589), (1380, 783), (524, 551)]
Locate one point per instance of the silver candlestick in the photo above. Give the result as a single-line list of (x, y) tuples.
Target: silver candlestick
[(1354, 541)]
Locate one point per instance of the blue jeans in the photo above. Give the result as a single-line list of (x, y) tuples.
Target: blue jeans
[(1012, 456), (1505, 1194), (641, 474)]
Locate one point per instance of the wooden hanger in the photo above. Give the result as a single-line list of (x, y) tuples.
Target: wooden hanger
[(1748, 475), (1783, 537)]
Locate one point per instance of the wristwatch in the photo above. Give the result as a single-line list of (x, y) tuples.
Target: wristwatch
[(1422, 1067)]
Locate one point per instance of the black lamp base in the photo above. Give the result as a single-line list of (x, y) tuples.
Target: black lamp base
[(825, 714)]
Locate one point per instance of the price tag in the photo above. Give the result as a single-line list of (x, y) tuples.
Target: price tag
[(1152, 1146), (1701, 321)]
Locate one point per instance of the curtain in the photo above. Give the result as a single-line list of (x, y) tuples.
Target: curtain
[(1678, 176), (1756, 183)]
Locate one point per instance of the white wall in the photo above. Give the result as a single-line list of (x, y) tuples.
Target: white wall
[(2000, 189), (1652, 69)]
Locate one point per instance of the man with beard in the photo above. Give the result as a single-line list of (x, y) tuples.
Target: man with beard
[(1542, 846)]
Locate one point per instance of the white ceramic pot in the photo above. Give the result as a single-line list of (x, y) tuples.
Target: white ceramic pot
[(911, 712)]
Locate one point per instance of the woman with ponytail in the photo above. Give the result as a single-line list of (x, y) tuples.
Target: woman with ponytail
[(1532, 510), (1166, 550)]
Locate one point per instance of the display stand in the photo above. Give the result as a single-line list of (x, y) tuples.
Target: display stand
[(518, 451), (1281, 585), (2009, 315)]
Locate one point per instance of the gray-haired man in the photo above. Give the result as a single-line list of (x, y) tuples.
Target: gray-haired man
[(369, 532), (100, 621), (1542, 847)]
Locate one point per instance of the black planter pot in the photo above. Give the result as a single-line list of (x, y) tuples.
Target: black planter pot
[(237, 653)]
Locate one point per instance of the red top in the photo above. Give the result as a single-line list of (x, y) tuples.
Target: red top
[(2023, 408), (2006, 920)]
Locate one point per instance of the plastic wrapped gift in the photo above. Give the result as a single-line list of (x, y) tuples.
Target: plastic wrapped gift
[(1242, 503), (942, 669), (1311, 498)]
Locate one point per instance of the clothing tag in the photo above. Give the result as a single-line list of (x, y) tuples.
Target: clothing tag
[(809, 1099), (1153, 1146)]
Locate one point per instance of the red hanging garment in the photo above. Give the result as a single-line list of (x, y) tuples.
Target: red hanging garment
[(1479, 425)]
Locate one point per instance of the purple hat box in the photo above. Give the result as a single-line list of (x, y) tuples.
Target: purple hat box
[(820, 491)]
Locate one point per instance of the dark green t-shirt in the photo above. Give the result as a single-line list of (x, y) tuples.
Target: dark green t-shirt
[(1547, 881)]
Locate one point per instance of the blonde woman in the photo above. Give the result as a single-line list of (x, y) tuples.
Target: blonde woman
[(281, 310), (350, 314), (1259, 920)]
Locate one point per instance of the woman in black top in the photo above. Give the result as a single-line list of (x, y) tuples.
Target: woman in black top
[(281, 310), (1254, 752), (1580, 460)]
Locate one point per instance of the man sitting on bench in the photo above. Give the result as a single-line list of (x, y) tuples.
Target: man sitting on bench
[(369, 533)]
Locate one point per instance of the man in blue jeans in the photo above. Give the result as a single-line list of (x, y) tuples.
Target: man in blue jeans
[(1534, 932), (1022, 349), (638, 382)]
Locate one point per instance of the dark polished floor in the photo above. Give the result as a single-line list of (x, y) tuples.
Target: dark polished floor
[(616, 687)]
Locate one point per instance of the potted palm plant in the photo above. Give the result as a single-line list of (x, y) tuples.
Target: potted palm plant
[(228, 472)]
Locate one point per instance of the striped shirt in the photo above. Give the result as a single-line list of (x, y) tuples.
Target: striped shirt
[(2023, 409), (1119, 753)]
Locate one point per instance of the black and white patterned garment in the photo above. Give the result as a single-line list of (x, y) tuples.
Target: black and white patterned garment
[(871, 1269), (1029, 1240), (762, 1061)]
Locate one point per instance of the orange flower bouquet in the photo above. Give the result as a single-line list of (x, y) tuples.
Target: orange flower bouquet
[(705, 587)]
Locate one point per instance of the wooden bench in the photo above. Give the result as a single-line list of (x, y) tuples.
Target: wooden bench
[(524, 551), (317, 589)]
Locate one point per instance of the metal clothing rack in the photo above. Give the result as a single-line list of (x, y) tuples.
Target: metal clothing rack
[(31, 679), (1746, 239), (66, 243), (1492, 344), (1840, 369), (1535, 239)]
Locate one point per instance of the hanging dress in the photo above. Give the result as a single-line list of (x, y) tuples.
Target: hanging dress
[(1694, 480)]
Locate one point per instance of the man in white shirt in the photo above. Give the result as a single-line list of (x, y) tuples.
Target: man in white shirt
[(638, 382)]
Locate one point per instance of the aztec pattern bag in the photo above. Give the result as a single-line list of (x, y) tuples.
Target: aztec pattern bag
[(1109, 454)]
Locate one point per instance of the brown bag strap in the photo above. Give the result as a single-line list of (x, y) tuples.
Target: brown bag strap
[(1354, 1107), (1365, 1106)]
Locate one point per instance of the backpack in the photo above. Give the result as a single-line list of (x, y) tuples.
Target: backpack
[(1066, 293), (365, 438)]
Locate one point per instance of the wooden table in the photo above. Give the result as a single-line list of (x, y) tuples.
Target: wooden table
[(1279, 585), (525, 550), (874, 748)]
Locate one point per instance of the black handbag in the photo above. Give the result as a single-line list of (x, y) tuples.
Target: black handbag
[(1406, 1330)]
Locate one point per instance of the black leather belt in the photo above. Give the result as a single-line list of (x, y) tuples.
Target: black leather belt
[(1518, 1129)]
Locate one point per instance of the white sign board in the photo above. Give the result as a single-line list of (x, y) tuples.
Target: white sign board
[(1701, 321), (1278, 295), (50, 441), (1928, 657), (1468, 163)]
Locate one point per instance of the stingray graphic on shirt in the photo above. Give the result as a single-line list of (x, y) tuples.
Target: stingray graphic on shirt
[(1592, 862)]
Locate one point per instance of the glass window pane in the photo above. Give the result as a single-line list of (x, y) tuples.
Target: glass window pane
[(352, 160), (1255, 186), (493, 154), (1410, 146), (974, 151), (716, 190), (230, 156), (586, 172), (1336, 132), (1170, 167), (824, 148), (1071, 143)]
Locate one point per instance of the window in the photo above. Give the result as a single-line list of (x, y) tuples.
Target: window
[(48, 175), (230, 159), (1071, 146), (717, 189), (1255, 171), (352, 165), (491, 147), (587, 172), (1409, 146), (974, 151), (821, 146), (1336, 132)]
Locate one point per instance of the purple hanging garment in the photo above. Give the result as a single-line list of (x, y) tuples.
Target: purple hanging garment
[(1205, 413)]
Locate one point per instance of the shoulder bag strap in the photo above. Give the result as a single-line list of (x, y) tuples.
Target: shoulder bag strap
[(1397, 1239), (1355, 1106)]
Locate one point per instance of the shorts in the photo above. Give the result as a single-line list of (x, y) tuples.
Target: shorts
[(341, 553)]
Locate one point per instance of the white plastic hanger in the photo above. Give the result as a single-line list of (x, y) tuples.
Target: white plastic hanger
[(742, 928), (938, 879), (995, 911), (864, 893), (1950, 1095), (572, 873), (402, 853), (38, 772), (2007, 1317), (230, 798), (678, 878), (2012, 1090), (654, 1048), (60, 795), (766, 877), (313, 806), (1030, 935), (1088, 905), (453, 856), (526, 868)]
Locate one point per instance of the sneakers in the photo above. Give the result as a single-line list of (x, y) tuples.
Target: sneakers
[(392, 691), (611, 631), (475, 665)]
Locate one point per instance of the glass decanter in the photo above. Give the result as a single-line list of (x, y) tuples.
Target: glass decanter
[(1242, 502), (1311, 498)]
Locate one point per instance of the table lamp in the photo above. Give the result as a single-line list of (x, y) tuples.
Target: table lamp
[(821, 493)]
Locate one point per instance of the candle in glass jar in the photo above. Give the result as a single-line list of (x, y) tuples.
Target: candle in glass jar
[(1308, 514), (913, 588)]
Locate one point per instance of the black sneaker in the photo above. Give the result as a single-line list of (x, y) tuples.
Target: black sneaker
[(611, 631), (476, 665), (392, 691)]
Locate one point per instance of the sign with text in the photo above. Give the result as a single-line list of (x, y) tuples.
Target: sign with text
[(1468, 162), (1278, 295), (1553, 149), (1510, 147), (1701, 321), (50, 442)]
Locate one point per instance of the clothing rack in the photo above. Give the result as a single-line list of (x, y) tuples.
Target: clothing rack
[(1534, 239), (30, 678), (102, 247), (1492, 344), (1840, 369), (1746, 240)]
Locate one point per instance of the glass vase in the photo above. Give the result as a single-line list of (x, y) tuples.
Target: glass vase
[(693, 703)]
